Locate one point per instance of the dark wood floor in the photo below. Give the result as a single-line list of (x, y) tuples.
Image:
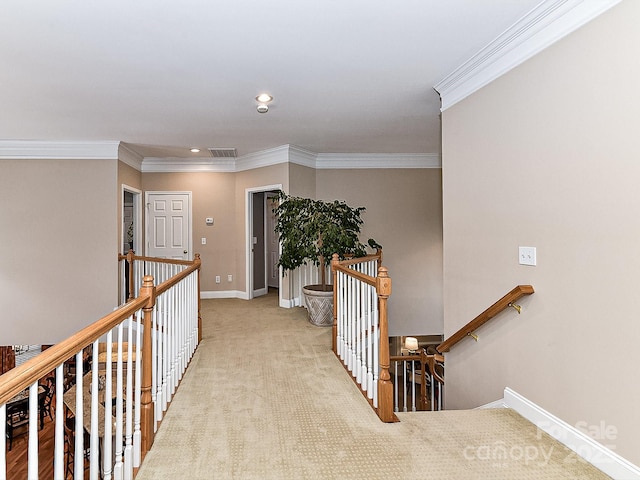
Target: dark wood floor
[(17, 464)]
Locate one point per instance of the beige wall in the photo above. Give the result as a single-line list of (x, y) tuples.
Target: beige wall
[(58, 230), (302, 181), (221, 196), (547, 156), (251, 179), (130, 177), (212, 196), (404, 215)]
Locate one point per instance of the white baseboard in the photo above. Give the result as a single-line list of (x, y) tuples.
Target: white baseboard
[(583, 445), (224, 294), (497, 404), (261, 291), (243, 296)]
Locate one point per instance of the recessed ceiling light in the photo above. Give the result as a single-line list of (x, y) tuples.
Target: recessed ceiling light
[(264, 98), (195, 150)]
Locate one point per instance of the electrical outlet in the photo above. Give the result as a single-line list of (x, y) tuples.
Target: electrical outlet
[(527, 255), (217, 278), (204, 241), (230, 278)]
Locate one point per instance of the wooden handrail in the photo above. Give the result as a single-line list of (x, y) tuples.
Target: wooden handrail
[(363, 277), (171, 261), (167, 284), (20, 377), (484, 317), (366, 258)]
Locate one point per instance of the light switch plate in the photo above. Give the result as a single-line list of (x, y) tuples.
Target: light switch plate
[(527, 255)]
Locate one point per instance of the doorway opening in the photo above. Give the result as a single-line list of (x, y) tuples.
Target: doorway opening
[(263, 247), (131, 229)]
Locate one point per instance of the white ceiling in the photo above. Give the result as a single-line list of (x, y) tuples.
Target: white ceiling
[(347, 76)]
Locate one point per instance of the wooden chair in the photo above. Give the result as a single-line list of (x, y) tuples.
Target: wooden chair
[(17, 419), (49, 391), (70, 444)]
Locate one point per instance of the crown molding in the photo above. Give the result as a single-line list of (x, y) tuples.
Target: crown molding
[(377, 160), (264, 158), (181, 165), (39, 149), (544, 25), (128, 156), (303, 157), (33, 149)]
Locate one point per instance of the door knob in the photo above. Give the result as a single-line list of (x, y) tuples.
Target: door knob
[(185, 252)]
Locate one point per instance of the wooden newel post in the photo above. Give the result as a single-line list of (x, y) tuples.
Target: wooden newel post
[(132, 293), (199, 263), (147, 416), (334, 275), (385, 387)]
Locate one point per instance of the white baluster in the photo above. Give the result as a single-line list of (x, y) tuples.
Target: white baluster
[(58, 460), (3, 440), (164, 357), (78, 465), (395, 387), (108, 422), (137, 438), (94, 439), (371, 297), (128, 450), (118, 466), (157, 310)]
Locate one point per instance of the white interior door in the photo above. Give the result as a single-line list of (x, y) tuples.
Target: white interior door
[(169, 225)]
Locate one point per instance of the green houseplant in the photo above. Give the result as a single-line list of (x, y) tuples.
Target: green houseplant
[(310, 232)]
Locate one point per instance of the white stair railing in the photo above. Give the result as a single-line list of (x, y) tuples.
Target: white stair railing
[(110, 392), (360, 336)]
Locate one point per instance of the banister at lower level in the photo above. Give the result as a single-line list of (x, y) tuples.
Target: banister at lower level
[(484, 317)]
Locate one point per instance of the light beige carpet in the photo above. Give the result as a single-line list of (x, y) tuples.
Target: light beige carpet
[(265, 398)]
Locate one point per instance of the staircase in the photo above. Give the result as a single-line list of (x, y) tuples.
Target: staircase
[(266, 398)]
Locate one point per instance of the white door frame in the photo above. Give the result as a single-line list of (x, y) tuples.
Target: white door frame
[(137, 217), (249, 238), (189, 222)]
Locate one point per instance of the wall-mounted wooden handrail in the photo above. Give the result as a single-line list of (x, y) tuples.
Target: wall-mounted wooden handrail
[(484, 317)]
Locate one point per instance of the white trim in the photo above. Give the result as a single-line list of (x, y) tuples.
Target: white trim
[(260, 292), (37, 149), (303, 157), (129, 157), (248, 205), (264, 158), (495, 404), (174, 165), (378, 160), (223, 294), (544, 25), (137, 216), (292, 154), (34, 149), (286, 303), (592, 451)]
